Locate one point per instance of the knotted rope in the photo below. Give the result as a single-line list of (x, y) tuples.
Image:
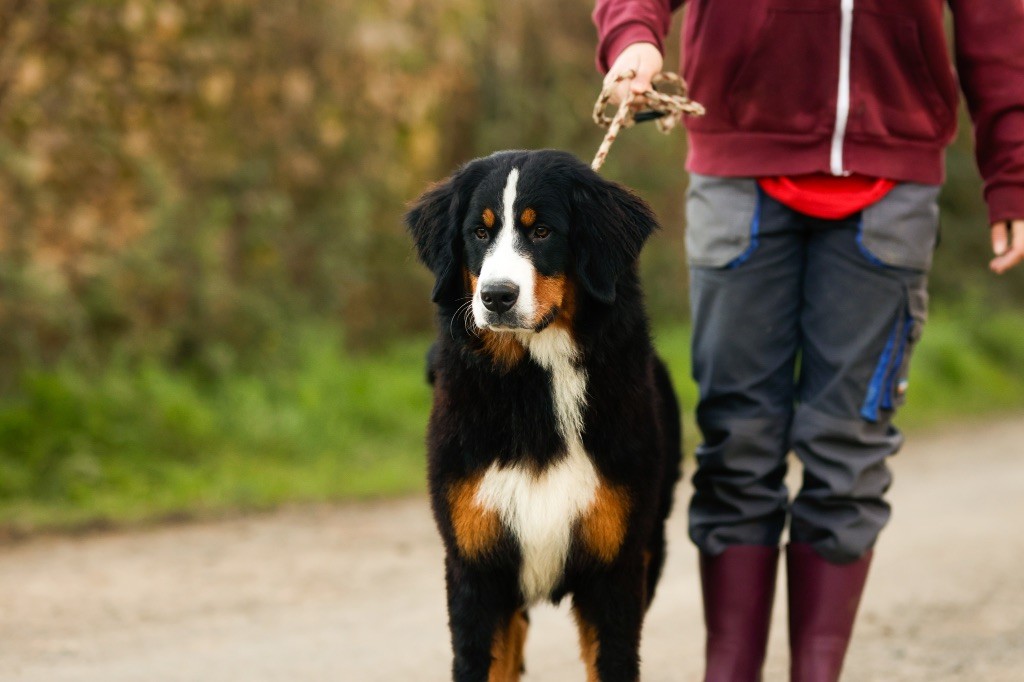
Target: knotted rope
[(665, 108)]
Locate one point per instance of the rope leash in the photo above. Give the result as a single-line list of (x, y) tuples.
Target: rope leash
[(665, 108)]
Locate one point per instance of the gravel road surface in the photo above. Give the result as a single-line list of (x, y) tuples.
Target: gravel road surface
[(355, 592)]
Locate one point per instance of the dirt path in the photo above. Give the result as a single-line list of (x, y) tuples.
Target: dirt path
[(355, 593)]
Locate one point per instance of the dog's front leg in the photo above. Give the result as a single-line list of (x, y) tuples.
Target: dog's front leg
[(609, 610), (487, 626)]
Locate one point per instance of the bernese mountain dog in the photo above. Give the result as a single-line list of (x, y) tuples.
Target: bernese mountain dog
[(554, 440)]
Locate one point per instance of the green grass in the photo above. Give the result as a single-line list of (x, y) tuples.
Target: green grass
[(969, 364), (135, 443), (141, 443)]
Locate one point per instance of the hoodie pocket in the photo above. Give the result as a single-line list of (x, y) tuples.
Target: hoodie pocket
[(786, 84), (897, 92)]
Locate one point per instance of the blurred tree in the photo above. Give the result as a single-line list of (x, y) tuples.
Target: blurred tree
[(189, 180)]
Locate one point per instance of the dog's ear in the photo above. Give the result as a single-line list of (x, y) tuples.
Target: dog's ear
[(434, 221), (610, 226)]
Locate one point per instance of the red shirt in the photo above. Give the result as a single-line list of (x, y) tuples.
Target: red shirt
[(826, 196)]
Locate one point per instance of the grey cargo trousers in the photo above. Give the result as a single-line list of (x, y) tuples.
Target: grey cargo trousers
[(803, 331)]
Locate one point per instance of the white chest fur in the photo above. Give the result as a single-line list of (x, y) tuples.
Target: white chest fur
[(541, 509)]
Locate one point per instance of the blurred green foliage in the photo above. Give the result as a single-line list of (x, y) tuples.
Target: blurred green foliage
[(184, 181)]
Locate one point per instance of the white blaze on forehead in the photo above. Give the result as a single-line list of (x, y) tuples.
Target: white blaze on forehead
[(503, 262), (508, 198)]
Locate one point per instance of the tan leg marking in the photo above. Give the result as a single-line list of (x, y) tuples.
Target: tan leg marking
[(603, 528), (476, 529), (507, 650), (589, 645)]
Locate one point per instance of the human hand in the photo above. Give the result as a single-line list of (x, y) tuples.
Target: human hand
[(1009, 248), (643, 58)]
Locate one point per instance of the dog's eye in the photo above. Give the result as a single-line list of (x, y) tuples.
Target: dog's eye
[(540, 232), (481, 233)]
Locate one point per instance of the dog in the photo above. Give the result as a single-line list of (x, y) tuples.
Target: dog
[(554, 438)]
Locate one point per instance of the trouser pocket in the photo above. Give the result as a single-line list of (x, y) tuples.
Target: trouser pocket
[(899, 234), (891, 379), (901, 230), (917, 315), (722, 220)]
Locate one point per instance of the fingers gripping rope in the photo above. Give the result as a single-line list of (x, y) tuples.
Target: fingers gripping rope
[(667, 108)]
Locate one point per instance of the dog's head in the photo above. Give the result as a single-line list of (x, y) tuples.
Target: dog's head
[(519, 235)]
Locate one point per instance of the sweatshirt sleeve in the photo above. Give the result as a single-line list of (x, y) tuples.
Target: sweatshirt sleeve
[(990, 62), (620, 23)]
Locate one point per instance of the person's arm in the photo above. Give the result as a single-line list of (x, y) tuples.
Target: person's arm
[(631, 35), (990, 62)]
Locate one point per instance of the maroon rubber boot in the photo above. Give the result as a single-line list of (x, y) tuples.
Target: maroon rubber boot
[(823, 601), (739, 588)]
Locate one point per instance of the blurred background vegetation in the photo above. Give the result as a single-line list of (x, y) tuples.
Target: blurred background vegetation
[(205, 285)]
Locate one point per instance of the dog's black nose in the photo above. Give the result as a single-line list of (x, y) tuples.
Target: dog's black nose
[(499, 297)]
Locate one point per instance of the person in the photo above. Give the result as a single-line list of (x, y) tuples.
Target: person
[(811, 220)]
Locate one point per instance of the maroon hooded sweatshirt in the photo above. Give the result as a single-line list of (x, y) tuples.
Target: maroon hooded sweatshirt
[(842, 86)]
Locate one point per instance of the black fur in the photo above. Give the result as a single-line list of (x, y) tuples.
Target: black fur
[(486, 412)]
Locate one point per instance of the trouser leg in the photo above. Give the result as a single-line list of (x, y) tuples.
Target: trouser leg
[(861, 315), (858, 321), (745, 278), (746, 254)]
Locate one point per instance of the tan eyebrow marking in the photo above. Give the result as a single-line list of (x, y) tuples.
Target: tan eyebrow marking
[(488, 217), (528, 218)]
